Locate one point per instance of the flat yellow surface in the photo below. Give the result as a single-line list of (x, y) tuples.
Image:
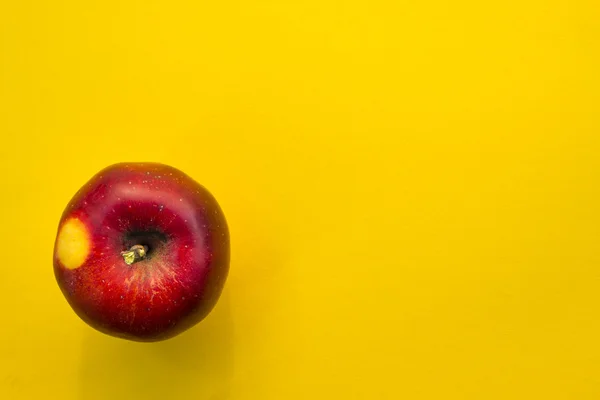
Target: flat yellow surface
[(413, 191)]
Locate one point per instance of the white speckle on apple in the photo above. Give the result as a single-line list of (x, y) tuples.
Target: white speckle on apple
[(160, 208), (180, 199), (130, 182), (122, 297)]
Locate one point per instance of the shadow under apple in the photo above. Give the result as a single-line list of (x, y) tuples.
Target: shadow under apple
[(194, 365)]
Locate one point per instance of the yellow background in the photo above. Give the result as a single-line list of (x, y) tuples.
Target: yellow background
[(413, 191)]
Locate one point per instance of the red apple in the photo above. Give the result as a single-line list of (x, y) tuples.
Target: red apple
[(142, 252)]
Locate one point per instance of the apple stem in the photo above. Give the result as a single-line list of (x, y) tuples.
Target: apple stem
[(134, 254)]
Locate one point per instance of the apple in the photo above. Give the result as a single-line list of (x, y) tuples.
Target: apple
[(142, 252)]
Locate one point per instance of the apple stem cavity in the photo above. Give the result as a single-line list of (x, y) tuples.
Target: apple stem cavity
[(134, 254)]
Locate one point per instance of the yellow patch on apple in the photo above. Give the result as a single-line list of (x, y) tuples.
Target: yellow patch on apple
[(73, 244)]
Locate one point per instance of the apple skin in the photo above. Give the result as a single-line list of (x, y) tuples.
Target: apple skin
[(180, 280)]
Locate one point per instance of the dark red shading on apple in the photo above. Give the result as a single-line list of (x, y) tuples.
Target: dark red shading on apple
[(142, 252)]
